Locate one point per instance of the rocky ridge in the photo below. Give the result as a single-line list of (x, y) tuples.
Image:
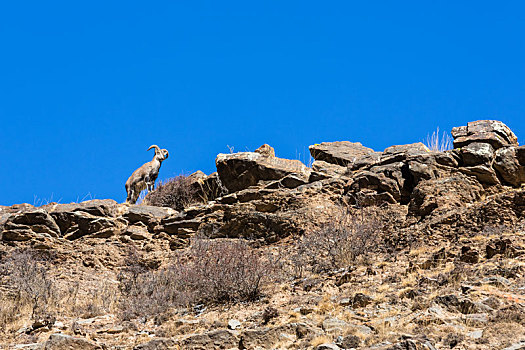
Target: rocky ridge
[(425, 198)]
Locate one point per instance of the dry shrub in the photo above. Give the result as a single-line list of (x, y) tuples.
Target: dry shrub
[(27, 288), (209, 272), (338, 242), (176, 193)]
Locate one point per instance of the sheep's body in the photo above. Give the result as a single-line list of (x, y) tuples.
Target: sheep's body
[(145, 176)]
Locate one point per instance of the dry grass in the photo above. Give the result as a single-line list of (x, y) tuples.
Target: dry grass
[(439, 143), (322, 339)]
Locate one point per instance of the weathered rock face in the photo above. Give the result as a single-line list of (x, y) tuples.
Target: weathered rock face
[(510, 165), (66, 342), (239, 171), (489, 152), (444, 193), (271, 198), (28, 225), (492, 132), (340, 152), (205, 187), (477, 153), (393, 174)]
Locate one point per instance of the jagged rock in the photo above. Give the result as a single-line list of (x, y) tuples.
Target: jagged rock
[(243, 223), (66, 342), (410, 149), (507, 164), (137, 232), (157, 344), (234, 324), (422, 170), (205, 187), (444, 193), (378, 182), (210, 187), (27, 225), (94, 226), (361, 300), (249, 195), (484, 174), (266, 337), (149, 215), (327, 169), (239, 171), (393, 174), (341, 152), (97, 207), (327, 346), (365, 162), (334, 325), (65, 215), (469, 255), (410, 344), (503, 247), (292, 181), (477, 153), (493, 132), (348, 342), (220, 339), (174, 224)]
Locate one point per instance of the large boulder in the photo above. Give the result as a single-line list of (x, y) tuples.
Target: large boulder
[(27, 225), (492, 132), (339, 152), (65, 215), (390, 155), (148, 215), (219, 339), (205, 187), (444, 193), (66, 342), (477, 153), (392, 175), (508, 165), (82, 224), (239, 171)]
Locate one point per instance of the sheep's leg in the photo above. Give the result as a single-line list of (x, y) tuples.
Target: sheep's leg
[(133, 196), (130, 192)]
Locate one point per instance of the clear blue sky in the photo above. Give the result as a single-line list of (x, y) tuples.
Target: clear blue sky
[(86, 87)]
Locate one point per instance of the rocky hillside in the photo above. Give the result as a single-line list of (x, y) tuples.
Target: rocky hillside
[(402, 249)]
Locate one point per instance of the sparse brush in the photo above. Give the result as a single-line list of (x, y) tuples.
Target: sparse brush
[(439, 143), (338, 242), (30, 290), (209, 272), (176, 193)]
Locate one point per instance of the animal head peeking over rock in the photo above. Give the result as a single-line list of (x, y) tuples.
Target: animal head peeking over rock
[(145, 176)]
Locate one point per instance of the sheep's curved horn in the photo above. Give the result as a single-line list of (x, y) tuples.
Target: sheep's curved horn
[(157, 149)]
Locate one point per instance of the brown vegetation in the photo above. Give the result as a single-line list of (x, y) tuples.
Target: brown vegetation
[(176, 193)]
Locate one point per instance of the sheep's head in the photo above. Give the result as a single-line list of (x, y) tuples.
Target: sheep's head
[(160, 154)]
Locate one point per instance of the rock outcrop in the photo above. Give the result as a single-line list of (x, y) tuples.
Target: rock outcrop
[(259, 196), (340, 153), (238, 171)]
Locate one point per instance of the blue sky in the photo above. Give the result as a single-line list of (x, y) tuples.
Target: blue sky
[(86, 87)]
